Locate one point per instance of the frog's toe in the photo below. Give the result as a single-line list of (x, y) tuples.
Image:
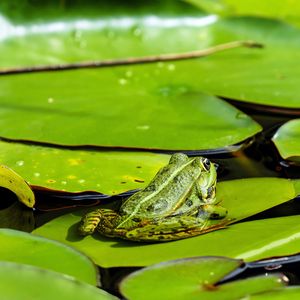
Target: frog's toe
[(89, 222), (215, 211)]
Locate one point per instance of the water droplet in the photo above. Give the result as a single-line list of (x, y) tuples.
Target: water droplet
[(81, 181), (212, 273), (110, 34), (171, 67), (77, 34), (37, 174), (122, 81), (143, 127), (241, 116), (137, 31), (82, 44), (160, 64), (50, 100), (64, 182), (128, 74), (165, 91), (20, 163)]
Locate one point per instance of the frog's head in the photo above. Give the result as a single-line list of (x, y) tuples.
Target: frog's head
[(208, 180)]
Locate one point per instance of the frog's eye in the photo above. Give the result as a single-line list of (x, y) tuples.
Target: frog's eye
[(206, 164)]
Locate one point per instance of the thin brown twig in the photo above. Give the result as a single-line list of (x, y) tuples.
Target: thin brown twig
[(132, 60)]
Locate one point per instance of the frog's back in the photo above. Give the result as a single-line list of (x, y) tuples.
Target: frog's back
[(165, 191)]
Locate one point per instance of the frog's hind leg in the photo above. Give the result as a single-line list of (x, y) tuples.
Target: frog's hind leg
[(174, 228), (102, 219)]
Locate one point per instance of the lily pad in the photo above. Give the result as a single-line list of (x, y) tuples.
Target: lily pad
[(291, 293), (108, 172), (287, 140), (242, 198), (296, 183), (17, 185), (25, 282), (68, 118), (288, 10), (194, 278), (25, 248), (80, 33)]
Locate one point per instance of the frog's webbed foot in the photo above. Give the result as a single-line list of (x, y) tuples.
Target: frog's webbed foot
[(174, 228), (100, 219)]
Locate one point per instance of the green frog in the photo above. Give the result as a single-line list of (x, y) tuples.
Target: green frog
[(177, 203)]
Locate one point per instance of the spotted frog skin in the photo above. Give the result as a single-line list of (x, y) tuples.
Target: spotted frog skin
[(177, 203)]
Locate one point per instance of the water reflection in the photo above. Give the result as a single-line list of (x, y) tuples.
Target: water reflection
[(17, 216)]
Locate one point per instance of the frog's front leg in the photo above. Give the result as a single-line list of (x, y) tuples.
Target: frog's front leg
[(101, 219), (212, 211), (172, 228)]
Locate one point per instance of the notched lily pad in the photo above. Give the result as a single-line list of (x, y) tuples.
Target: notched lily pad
[(194, 278), (287, 140)]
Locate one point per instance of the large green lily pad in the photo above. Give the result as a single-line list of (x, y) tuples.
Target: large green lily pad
[(78, 170), (287, 140), (242, 198), (76, 110), (258, 76), (25, 248), (194, 278), (18, 281)]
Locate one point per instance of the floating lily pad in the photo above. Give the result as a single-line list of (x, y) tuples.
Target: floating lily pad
[(242, 198), (260, 76), (291, 293), (296, 183), (287, 140), (288, 10), (78, 170), (73, 111), (194, 278), (25, 248), (18, 281)]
